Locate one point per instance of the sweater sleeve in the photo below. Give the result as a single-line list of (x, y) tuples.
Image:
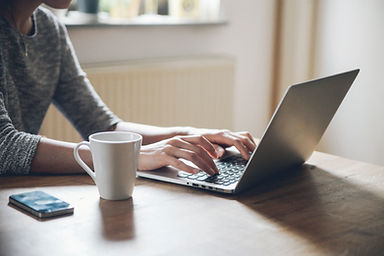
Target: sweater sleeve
[(17, 149), (76, 98)]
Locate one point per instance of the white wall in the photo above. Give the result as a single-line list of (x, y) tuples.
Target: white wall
[(351, 35), (248, 37)]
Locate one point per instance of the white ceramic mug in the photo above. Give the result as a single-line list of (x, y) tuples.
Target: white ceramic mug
[(115, 159)]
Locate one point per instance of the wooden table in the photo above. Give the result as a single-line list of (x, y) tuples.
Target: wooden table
[(331, 206)]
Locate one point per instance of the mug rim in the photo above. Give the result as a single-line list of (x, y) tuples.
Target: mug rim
[(133, 140)]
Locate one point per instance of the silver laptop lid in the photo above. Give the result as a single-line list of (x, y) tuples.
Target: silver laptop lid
[(297, 126)]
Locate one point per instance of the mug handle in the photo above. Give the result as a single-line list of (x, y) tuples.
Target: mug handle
[(81, 162)]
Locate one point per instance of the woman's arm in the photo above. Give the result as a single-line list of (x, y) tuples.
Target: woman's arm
[(56, 157), (152, 134), (16, 148)]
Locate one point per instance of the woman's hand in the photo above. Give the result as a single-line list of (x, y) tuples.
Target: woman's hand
[(199, 149), (194, 148), (222, 139)]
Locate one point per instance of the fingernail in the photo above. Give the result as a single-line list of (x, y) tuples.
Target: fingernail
[(219, 151)]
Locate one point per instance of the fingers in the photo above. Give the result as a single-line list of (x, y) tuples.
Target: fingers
[(242, 141), (239, 143), (202, 142), (181, 166), (194, 152), (220, 151), (246, 139), (248, 135), (198, 149), (194, 149), (195, 158)]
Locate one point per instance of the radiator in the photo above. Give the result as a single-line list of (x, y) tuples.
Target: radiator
[(191, 91)]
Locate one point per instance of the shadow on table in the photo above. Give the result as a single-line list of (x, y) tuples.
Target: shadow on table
[(334, 214), (117, 219)]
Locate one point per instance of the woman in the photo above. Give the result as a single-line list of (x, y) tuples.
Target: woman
[(38, 66)]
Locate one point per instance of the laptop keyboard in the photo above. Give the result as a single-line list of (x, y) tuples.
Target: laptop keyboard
[(230, 168)]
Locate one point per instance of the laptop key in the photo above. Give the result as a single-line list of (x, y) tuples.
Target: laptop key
[(202, 178), (192, 177), (182, 174)]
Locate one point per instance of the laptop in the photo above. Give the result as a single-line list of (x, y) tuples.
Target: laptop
[(290, 138)]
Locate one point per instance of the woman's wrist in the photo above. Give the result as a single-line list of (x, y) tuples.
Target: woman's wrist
[(182, 131), (199, 131)]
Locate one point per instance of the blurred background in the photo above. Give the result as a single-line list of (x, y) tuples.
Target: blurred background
[(225, 64)]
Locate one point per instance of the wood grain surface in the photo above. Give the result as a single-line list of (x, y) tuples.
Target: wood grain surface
[(330, 206)]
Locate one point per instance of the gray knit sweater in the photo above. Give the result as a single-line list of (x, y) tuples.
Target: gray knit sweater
[(29, 84)]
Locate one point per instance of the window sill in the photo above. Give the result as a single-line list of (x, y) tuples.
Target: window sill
[(77, 20)]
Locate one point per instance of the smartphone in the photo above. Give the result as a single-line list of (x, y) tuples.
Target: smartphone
[(41, 204)]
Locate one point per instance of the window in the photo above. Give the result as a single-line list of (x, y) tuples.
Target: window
[(143, 12)]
